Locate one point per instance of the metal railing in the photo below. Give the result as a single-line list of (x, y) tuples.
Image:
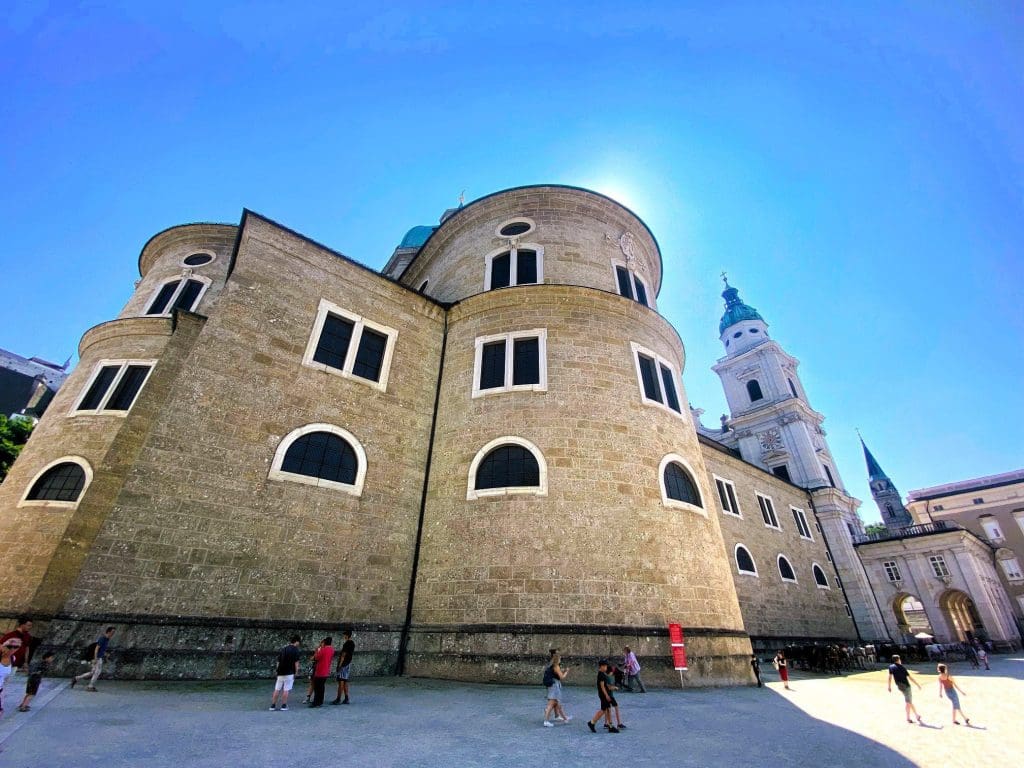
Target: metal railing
[(924, 529)]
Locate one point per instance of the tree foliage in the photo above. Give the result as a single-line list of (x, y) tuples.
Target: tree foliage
[(875, 528), (14, 433)]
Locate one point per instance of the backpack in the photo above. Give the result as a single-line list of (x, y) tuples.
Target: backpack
[(549, 676), (89, 651)]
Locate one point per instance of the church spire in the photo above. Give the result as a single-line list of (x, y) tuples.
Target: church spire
[(890, 505), (875, 471)]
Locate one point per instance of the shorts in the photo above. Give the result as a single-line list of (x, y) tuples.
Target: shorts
[(555, 691), (907, 693), (284, 683), (32, 686), (344, 672), (953, 697), (611, 702)]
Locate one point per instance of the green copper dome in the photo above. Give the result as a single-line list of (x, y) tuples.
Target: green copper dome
[(416, 237), (735, 310)]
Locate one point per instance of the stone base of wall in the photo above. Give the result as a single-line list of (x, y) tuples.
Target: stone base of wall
[(517, 654)]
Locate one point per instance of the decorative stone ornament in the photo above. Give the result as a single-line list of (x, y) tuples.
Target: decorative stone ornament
[(628, 245), (770, 439)]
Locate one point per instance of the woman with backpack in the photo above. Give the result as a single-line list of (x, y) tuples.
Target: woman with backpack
[(553, 677)]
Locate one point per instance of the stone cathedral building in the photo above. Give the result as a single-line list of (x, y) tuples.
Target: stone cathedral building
[(476, 454)]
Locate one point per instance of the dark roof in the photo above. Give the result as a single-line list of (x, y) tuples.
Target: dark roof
[(33, 367)]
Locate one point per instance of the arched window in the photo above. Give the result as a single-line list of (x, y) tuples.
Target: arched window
[(678, 488), (178, 294), (61, 483), (521, 264), (322, 455), (819, 576), (786, 570), (744, 562), (507, 465), (754, 390)]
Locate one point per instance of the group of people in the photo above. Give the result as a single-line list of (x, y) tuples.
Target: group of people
[(288, 663), (948, 687), (609, 679)]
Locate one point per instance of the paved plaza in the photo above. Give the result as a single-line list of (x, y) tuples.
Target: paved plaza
[(842, 721)]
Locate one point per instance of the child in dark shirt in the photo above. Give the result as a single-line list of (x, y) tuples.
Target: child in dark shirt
[(36, 669), (604, 693)]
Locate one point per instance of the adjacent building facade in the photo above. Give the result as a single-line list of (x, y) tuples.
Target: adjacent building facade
[(27, 385)]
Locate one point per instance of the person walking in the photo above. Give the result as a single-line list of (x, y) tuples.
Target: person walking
[(632, 668), (756, 666), (903, 679), (948, 686), (604, 694), (99, 654), (344, 668), (287, 669), (7, 651), (36, 669), (983, 655), (554, 674), (23, 632), (781, 664), (321, 670)]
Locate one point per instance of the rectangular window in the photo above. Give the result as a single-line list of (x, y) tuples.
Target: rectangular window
[(1019, 517), (511, 361), (176, 294), (828, 555), (672, 400), (938, 564), (768, 512), (501, 271), (526, 263), (641, 291), (163, 298), (992, 529), (657, 379), (781, 471), (348, 345), (828, 474), (801, 523), (115, 386), (630, 284), (1011, 567), (650, 379), (892, 570), (625, 282), (727, 496), (978, 500), (189, 295), (516, 266)]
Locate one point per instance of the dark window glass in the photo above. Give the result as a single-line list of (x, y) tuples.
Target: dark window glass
[(737, 334), (159, 305), (679, 486), (63, 482), (732, 499), (828, 474), (781, 471), (187, 298), (492, 365), (334, 340), (641, 293), (424, 286), (323, 455), (515, 228), (649, 375), (672, 401), (127, 388), (526, 267), (754, 390), (786, 570), (744, 561), (819, 577), (501, 275), (198, 259), (721, 495), (526, 361), (99, 388), (754, 330), (792, 388), (370, 355), (508, 466), (625, 286), (768, 512), (801, 523)]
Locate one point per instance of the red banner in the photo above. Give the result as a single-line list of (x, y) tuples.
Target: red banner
[(679, 657), (675, 639), (675, 633)]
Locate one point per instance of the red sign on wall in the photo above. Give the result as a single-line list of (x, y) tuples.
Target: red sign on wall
[(675, 639)]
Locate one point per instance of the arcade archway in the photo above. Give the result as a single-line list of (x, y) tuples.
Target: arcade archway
[(961, 615), (910, 615)]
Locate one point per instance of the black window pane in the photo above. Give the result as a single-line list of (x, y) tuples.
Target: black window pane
[(159, 305), (526, 361), (722, 496), (679, 486), (785, 569), (764, 510), (334, 340), (526, 267), (187, 298), (515, 228), (370, 355), (99, 388), (782, 472), (649, 375), (509, 466), (625, 288), (828, 473), (670, 389), (792, 388), (492, 365), (744, 561), (819, 577), (127, 388), (641, 293), (322, 455), (63, 482), (754, 390), (500, 271), (732, 500)]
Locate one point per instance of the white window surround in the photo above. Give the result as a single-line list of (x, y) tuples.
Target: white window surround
[(636, 278), (771, 506), (735, 559), (513, 220), (823, 574), (541, 334), (1018, 515), (26, 502), (659, 361), (993, 530), (326, 307), (99, 410), (276, 473), (938, 565), (778, 562), (196, 252), (541, 489), (1011, 568), (803, 517), (732, 497), (676, 503), (182, 281), (892, 571), (513, 263)]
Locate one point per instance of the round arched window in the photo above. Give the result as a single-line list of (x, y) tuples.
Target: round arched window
[(322, 455), (785, 569), (819, 576), (744, 562), (679, 485), (61, 482), (508, 466)]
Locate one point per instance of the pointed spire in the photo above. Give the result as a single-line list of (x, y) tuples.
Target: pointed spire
[(875, 472)]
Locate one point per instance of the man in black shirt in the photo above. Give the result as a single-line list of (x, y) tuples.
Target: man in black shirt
[(344, 667), (901, 675), (287, 669)]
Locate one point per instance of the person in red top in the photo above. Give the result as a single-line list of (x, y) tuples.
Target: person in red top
[(321, 670), (19, 660)]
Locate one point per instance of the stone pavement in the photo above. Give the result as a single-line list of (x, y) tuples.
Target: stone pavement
[(845, 721)]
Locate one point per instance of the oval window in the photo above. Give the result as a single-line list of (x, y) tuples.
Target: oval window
[(197, 259), (515, 228)]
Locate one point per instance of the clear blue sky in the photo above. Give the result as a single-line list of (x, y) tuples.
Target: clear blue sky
[(859, 173)]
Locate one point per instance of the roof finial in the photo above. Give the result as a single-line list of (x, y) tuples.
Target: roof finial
[(725, 279), (462, 198)]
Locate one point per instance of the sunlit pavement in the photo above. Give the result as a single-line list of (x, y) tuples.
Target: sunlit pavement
[(843, 721)]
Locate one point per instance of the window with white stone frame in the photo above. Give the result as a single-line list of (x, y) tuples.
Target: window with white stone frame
[(819, 576), (1011, 567), (657, 379), (678, 488), (511, 362), (938, 564), (768, 511), (348, 345), (507, 466), (993, 531), (181, 293), (113, 387), (631, 285), (786, 572), (321, 455), (727, 496), (801, 523), (744, 561), (60, 483), (520, 264), (892, 570)]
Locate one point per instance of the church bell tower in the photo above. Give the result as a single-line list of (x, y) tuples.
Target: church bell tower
[(894, 514)]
